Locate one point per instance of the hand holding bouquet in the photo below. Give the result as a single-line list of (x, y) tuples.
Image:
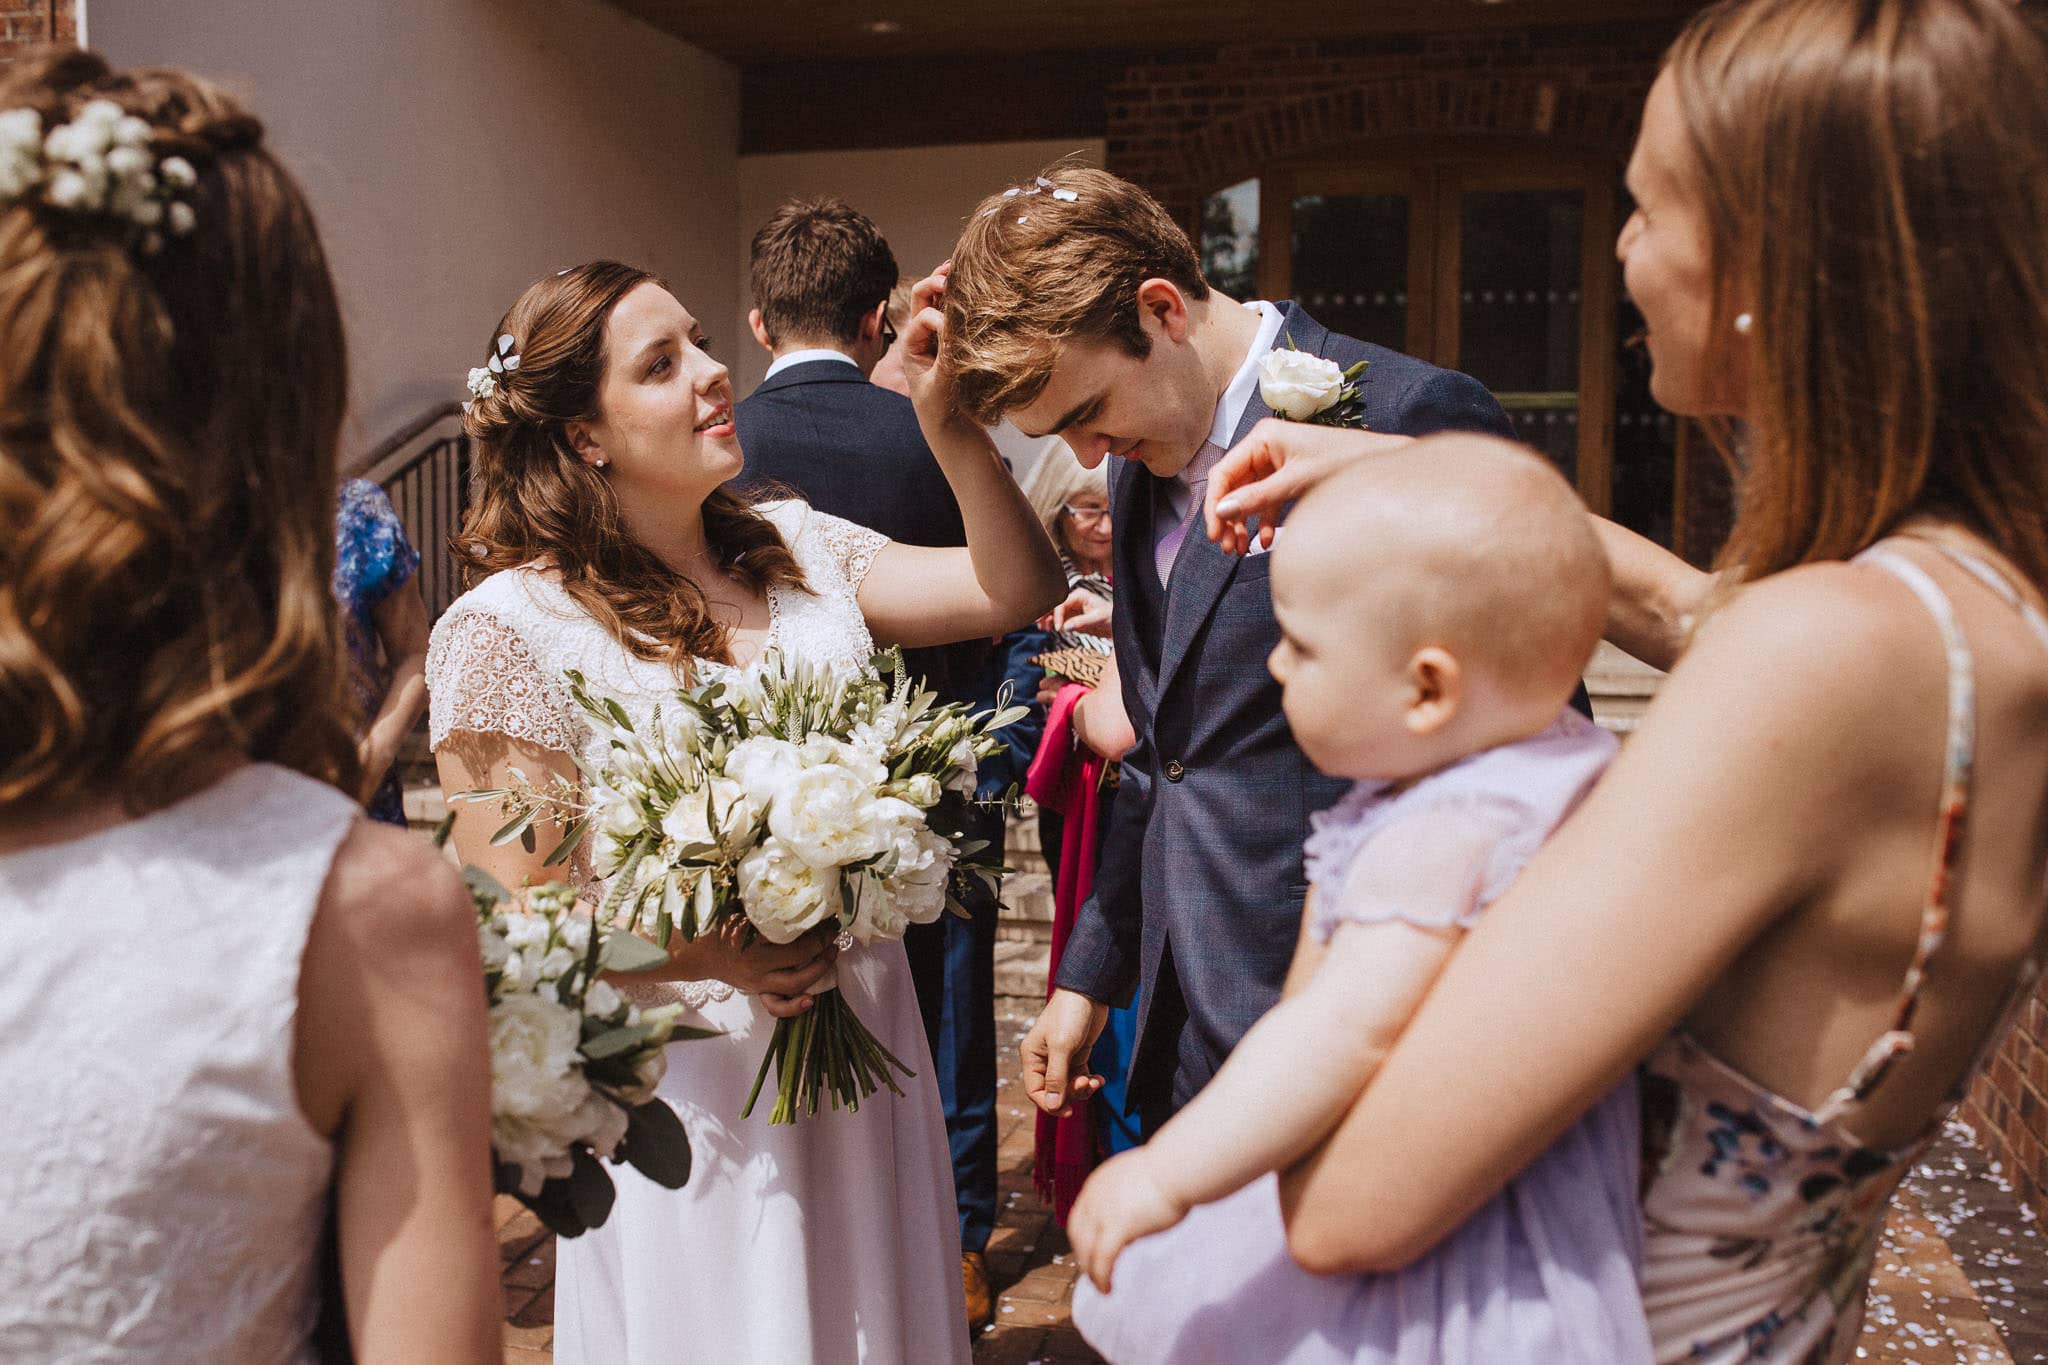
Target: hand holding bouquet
[(793, 795)]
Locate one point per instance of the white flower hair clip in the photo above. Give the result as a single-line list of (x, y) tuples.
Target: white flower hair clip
[(484, 378), (99, 163)]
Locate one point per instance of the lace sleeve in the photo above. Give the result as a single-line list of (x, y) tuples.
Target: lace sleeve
[(482, 677), (1437, 867), (853, 547)]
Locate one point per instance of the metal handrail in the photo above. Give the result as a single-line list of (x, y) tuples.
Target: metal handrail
[(429, 489)]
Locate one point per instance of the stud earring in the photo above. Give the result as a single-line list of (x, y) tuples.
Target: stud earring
[(1744, 324), (600, 462)]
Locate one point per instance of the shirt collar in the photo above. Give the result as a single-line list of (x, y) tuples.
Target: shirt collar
[(783, 362), (1237, 397)]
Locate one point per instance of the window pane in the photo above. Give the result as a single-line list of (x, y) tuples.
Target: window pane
[(1351, 264), (1230, 239), (1520, 254)]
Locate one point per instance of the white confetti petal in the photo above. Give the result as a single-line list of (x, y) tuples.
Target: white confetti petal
[(1065, 196)]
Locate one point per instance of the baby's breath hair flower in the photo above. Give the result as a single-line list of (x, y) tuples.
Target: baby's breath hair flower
[(100, 163), (485, 378)]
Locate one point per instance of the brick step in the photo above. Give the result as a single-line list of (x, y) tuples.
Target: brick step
[(1021, 968)]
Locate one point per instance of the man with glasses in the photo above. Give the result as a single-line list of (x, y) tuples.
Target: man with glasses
[(821, 275)]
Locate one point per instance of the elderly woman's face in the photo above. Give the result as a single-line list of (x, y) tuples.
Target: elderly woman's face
[(1084, 523)]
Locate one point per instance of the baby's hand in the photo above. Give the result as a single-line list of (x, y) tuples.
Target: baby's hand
[(1121, 1202)]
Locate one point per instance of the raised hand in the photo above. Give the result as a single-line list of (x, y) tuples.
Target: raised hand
[(922, 336), (1122, 1201), (1266, 471)]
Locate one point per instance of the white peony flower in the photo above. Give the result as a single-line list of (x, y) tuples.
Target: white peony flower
[(913, 892), (537, 1083), (783, 894), (1297, 385), (826, 817), (689, 820), (762, 765)]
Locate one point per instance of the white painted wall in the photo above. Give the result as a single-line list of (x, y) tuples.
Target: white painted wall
[(455, 150), (918, 196)]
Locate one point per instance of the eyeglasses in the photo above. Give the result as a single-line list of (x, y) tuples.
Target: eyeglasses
[(888, 333), (1085, 516)]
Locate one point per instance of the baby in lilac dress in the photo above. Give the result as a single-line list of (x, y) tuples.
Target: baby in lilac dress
[(1436, 608)]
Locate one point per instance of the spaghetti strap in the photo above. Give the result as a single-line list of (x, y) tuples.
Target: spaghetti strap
[(2000, 585), (1957, 761)]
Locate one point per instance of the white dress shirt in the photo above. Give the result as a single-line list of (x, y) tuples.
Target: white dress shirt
[(783, 362), (1184, 491)]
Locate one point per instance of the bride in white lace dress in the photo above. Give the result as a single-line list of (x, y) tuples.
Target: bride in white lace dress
[(601, 459)]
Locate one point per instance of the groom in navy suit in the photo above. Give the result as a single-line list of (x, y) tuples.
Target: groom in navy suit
[(1077, 307)]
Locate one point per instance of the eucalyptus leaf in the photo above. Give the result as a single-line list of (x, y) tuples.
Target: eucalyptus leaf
[(657, 1145), (612, 1042), (624, 952)]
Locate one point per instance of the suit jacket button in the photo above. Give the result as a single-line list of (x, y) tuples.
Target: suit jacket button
[(1174, 771)]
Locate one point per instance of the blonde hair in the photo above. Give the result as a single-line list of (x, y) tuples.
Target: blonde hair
[(1036, 270), (168, 423), (1876, 171), (1057, 481)]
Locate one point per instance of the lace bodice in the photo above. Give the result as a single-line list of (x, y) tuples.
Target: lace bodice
[(498, 654), (163, 1192)]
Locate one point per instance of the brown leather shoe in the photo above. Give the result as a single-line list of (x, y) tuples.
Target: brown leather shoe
[(981, 1307)]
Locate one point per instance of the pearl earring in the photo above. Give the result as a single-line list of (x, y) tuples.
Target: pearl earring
[(600, 462), (1744, 324)]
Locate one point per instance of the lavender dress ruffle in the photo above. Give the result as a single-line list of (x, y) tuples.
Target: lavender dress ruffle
[(1544, 1273)]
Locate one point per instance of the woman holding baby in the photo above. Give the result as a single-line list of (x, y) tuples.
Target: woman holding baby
[(1804, 901)]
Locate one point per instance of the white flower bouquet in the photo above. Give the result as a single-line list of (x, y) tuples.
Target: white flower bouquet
[(793, 796), (573, 1062)]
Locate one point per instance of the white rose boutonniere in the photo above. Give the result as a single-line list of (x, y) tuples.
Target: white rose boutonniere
[(1307, 388)]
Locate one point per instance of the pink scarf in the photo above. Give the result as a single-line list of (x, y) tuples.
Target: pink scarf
[(1066, 777)]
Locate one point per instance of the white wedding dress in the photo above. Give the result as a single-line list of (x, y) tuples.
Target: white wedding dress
[(161, 1194), (834, 1239)]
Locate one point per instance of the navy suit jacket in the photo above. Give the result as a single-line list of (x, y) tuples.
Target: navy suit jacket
[(854, 449), (1200, 889)]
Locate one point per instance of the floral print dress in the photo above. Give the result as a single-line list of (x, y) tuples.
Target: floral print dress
[(1762, 1218), (372, 560)]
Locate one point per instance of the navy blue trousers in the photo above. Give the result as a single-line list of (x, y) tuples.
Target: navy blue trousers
[(953, 966)]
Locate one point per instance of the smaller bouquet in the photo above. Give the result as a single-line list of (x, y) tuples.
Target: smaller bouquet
[(573, 1062)]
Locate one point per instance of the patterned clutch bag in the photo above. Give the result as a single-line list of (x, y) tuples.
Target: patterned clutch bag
[(1083, 666)]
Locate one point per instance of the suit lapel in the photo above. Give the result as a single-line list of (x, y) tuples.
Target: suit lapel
[(1202, 571), (1133, 502)]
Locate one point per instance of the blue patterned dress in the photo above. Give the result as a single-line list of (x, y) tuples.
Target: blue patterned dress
[(373, 559)]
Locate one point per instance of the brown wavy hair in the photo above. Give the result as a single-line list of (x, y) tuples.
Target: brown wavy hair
[(536, 500), (1034, 273), (1875, 176), (168, 422)]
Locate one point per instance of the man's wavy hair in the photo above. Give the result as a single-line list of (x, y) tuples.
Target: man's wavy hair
[(1875, 175), (537, 501), (168, 423), (1052, 262)]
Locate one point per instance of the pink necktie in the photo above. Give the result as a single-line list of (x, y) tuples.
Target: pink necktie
[(1196, 477)]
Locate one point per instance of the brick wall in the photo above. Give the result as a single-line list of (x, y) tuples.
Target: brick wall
[(2008, 1104), (27, 24), (1184, 123)]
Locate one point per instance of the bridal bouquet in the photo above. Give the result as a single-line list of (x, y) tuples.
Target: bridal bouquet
[(573, 1063), (794, 795)]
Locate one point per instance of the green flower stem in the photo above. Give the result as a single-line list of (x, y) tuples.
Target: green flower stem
[(622, 880)]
